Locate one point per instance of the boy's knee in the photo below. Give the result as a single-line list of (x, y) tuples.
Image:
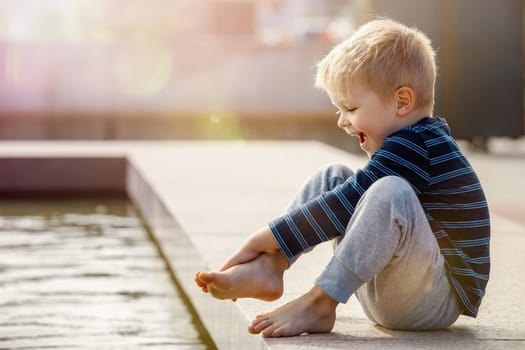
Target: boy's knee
[(338, 172), (392, 187)]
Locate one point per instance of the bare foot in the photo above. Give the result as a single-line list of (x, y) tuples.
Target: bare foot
[(261, 278), (313, 312)]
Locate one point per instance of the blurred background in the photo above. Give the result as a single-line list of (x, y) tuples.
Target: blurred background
[(237, 69)]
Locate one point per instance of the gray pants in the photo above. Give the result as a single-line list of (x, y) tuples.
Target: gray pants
[(388, 256)]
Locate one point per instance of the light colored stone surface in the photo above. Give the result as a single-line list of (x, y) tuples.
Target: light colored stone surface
[(205, 197)]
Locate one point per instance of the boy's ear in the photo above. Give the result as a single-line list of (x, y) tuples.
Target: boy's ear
[(405, 99)]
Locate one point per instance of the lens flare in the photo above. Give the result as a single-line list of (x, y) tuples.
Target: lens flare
[(220, 125), (143, 70)]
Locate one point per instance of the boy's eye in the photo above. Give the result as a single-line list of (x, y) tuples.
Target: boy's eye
[(344, 110)]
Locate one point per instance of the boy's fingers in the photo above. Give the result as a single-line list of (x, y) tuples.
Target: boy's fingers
[(226, 266), (238, 258)]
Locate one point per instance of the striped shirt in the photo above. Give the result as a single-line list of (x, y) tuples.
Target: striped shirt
[(426, 155)]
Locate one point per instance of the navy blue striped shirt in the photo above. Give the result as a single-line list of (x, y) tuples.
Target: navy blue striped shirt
[(426, 155)]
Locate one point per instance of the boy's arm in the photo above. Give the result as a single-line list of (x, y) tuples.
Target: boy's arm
[(327, 215), (258, 242)]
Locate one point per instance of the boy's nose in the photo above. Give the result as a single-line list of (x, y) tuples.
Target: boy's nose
[(342, 122)]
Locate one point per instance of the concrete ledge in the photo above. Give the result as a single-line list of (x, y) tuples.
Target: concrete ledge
[(221, 320), (63, 175)]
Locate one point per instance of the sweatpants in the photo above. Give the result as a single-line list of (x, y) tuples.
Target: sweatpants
[(388, 256)]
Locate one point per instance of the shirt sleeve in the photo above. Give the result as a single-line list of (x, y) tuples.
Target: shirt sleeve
[(402, 154)]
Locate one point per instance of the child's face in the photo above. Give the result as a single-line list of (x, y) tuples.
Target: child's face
[(363, 114)]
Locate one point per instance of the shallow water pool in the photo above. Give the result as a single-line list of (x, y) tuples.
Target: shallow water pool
[(81, 274)]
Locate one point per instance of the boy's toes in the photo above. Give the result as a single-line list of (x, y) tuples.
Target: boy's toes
[(201, 284), (206, 277), (198, 281), (252, 330)]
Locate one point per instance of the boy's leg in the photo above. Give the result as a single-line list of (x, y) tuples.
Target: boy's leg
[(322, 180), (390, 246)]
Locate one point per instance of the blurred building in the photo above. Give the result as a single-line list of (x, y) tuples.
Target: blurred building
[(480, 54), (234, 68)]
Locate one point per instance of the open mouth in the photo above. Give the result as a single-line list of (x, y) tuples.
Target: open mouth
[(361, 138)]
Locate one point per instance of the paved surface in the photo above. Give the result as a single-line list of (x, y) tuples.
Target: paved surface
[(202, 199), (240, 188)]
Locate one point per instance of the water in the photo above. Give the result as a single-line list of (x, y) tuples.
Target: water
[(85, 274)]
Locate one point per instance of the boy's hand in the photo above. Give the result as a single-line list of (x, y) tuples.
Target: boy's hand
[(243, 255), (259, 242)]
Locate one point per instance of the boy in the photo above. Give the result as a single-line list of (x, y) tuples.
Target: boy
[(412, 227)]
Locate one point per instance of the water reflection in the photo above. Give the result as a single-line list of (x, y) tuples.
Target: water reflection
[(85, 274)]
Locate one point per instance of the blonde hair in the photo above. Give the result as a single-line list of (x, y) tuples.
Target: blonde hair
[(385, 55)]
